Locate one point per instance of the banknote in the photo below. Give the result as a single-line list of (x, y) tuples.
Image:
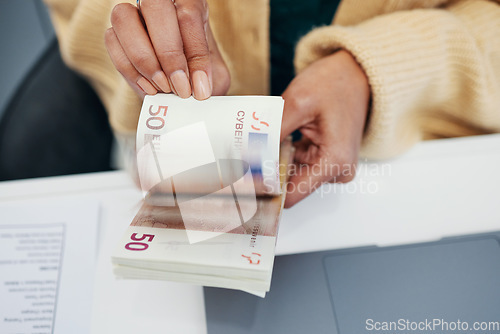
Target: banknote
[(189, 146), (218, 246)]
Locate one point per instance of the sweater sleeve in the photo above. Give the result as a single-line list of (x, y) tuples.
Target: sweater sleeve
[(80, 26), (433, 73)]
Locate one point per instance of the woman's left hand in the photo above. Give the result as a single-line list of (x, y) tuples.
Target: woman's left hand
[(328, 103)]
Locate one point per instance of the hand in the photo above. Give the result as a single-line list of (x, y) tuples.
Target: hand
[(167, 47), (328, 103)]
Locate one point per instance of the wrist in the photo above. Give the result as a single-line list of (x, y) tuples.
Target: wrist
[(354, 74)]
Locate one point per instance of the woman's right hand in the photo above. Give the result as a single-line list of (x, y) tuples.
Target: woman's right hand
[(167, 46)]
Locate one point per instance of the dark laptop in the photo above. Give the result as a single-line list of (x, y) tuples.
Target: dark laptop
[(448, 286)]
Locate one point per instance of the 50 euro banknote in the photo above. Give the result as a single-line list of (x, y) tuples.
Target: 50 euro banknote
[(159, 244), (213, 180), (189, 146)]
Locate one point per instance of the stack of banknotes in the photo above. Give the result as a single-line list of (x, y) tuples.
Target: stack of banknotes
[(213, 175)]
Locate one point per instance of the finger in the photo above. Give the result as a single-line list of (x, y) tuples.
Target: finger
[(302, 183), (193, 23), (163, 28), (141, 85), (313, 167), (135, 42), (297, 111)]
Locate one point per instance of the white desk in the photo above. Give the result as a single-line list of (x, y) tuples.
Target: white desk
[(441, 188)]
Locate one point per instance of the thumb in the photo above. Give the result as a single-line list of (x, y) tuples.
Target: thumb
[(220, 78)]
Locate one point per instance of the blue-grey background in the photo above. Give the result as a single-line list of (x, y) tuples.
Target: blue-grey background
[(51, 120), (25, 32)]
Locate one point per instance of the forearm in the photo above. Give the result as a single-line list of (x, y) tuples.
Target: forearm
[(432, 72)]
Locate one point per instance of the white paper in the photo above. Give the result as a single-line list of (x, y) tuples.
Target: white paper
[(47, 266)]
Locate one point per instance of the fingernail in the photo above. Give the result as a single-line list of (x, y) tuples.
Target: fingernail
[(201, 85), (160, 79), (180, 82), (146, 86), (172, 86)]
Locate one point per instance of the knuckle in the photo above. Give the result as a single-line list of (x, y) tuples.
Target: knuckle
[(189, 14), (347, 167), (122, 65), (168, 56), (141, 59), (295, 102), (340, 163), (121, 68), (198, 58)]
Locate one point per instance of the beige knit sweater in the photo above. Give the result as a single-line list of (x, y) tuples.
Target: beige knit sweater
[(433, 65)]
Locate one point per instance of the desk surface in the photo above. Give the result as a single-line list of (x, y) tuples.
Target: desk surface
[(438, 189)]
